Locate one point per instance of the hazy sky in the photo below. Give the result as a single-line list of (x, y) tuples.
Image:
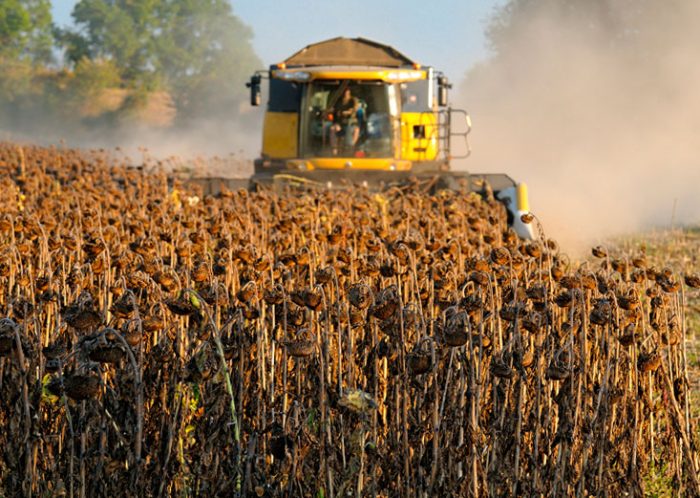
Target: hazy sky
[(446, 34)]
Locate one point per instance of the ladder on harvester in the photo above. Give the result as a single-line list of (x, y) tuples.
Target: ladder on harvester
[(449, 124)]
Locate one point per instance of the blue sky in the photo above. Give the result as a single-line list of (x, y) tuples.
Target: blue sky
[(446, 34)]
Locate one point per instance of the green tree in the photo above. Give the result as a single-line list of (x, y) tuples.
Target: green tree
[(205, 55), (25, 30), (118, 30), (25, 47), (197, 50)]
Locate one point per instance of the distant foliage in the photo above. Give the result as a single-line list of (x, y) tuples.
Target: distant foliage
[(25, 47), (25, 30), (198, 51), (194, 55), (92, 76)]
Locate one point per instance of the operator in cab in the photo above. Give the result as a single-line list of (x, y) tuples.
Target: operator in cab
[(345, 121)]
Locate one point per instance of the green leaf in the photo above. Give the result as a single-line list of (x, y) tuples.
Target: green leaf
[(194, 300)]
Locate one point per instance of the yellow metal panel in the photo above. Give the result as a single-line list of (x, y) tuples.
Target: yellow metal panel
[(388, 75), (419, 136), (523, 201), (280, 133), (350, 163)]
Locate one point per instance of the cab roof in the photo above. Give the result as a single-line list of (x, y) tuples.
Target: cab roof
[(348, 52)]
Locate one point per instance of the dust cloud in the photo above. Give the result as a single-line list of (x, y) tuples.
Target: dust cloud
[(217, 146), (596, 106)]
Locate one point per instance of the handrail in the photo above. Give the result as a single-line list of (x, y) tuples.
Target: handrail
[(448, 133)]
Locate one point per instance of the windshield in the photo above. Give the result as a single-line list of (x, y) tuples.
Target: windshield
[(348, 119)]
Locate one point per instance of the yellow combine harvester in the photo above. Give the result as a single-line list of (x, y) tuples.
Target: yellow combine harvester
[(356, 111)]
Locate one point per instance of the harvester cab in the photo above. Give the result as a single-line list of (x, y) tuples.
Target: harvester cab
[(356, 111)]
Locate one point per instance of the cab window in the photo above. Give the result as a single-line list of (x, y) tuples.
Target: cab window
[(347, 119)]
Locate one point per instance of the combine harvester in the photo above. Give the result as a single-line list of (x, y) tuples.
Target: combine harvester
[(353, 111)]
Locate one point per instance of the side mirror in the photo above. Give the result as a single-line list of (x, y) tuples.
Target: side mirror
[(443, 86), (254, 85)]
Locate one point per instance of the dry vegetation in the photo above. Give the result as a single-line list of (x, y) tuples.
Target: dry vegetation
[(325, 344), (678, 249)]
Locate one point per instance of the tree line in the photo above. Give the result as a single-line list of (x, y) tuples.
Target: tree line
[(165, 62)]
